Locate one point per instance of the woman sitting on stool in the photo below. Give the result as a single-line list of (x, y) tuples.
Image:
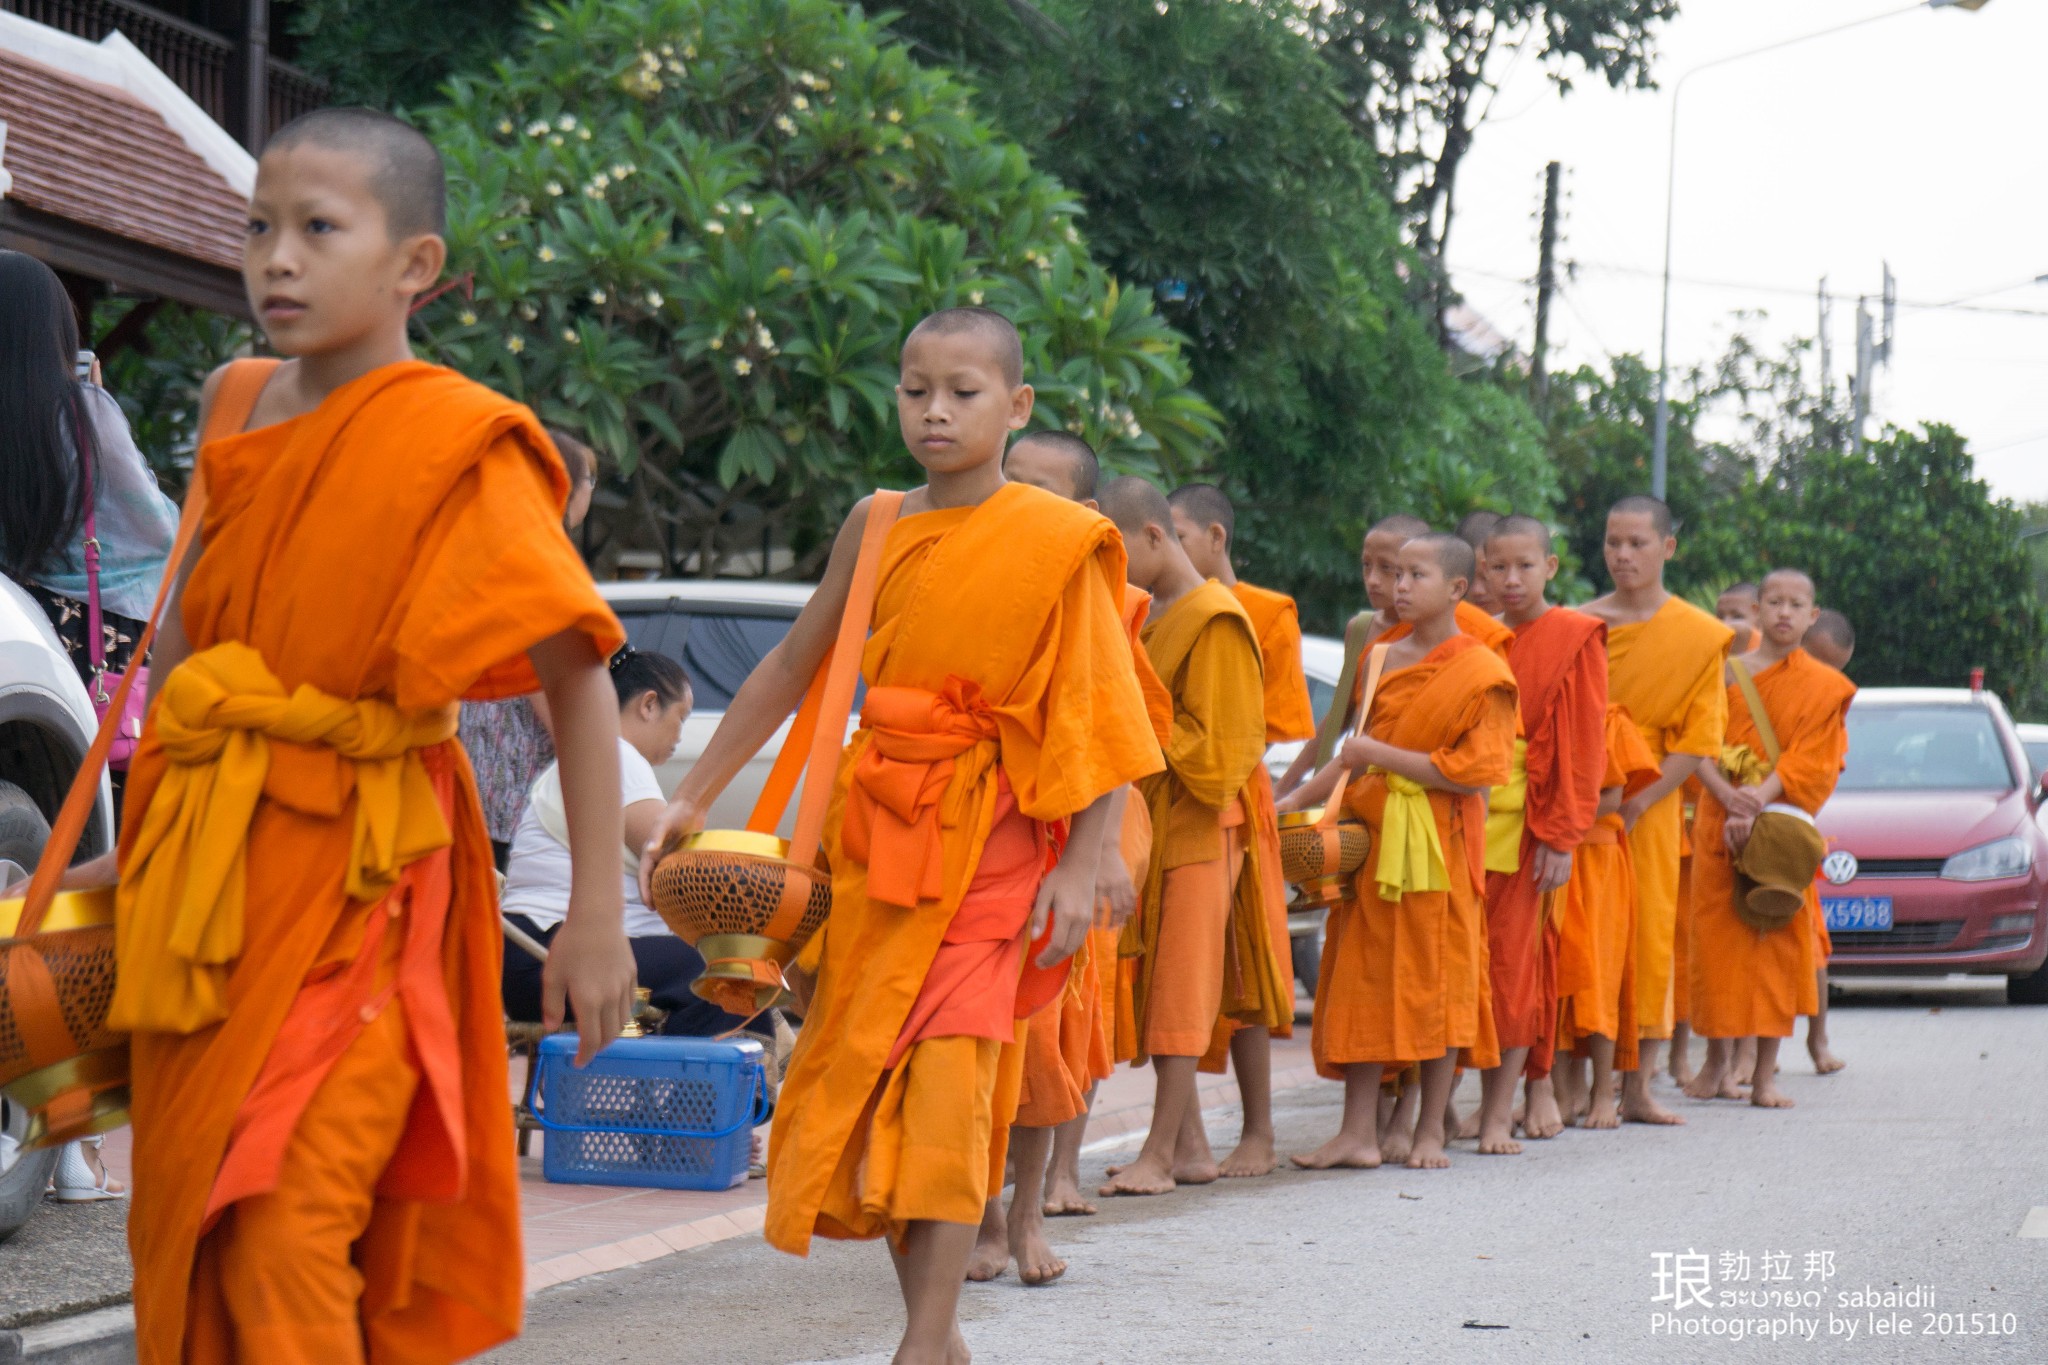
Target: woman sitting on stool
[(654, 700)]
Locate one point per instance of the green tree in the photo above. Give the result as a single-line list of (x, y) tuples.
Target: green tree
[(701, 228), (392, 53)]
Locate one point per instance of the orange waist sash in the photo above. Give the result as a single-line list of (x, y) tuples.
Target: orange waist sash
[(892, 825)]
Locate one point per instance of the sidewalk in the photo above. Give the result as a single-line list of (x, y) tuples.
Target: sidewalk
[(577, 1230)]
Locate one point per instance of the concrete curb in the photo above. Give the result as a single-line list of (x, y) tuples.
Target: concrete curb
[(104, 1336), (1104, 1130)]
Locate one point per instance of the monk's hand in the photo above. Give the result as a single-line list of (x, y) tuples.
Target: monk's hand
[(1114, 891), (683, 817), (1747, 803), (1066, 899), (1737, 830), (1552, 868), (589, 971), (1632, 811)]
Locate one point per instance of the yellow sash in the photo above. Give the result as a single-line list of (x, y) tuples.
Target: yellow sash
[(1504, 818), (179, 916), (1411, 855)]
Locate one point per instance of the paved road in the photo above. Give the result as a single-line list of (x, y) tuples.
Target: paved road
[(1915, 1167)]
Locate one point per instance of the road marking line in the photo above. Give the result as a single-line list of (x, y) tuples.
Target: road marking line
[(2036, 1222)]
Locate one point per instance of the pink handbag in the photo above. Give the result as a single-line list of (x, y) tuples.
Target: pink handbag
[(105, 684)]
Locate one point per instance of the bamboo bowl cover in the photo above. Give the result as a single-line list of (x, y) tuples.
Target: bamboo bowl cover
[(58, 1059)]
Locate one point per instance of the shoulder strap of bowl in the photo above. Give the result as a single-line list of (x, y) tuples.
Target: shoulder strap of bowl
[(819, 732), (1755, 703), (1331, 728)]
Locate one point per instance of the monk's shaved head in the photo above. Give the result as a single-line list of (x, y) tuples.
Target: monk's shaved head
[(1005, 347), (1475, 527), (1453, 553), (1519, 525), (1206, 505), (1834, 628), (1400, 524), (1740, 590), (1134, 503), (1799, 576), (1083, 467), (1643, 505), (406, 173)]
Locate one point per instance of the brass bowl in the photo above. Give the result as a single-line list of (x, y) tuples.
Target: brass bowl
[(62, 980), (737, 897)]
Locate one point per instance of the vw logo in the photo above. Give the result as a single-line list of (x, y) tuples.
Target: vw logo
[(1839, 867)]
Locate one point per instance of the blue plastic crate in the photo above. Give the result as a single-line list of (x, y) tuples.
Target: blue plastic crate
[(671, 1113)]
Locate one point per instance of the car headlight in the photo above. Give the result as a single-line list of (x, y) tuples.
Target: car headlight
[(1989, 862)]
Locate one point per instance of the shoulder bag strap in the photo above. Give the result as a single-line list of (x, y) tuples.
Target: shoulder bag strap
[(1755, 704), (1331, 728), (95, 634), (1374, 668), (819, 733)]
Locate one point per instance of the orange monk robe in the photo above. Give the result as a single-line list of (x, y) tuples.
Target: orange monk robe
[(1596, 942), (1201, 931), (1667, 672), (402, 542), (1746, 983), (1560, 666), (1000, 690), (1071, 1045), (1406, 981), (1681, 920)]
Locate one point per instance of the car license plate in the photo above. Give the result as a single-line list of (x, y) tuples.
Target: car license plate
[(1857, 913)]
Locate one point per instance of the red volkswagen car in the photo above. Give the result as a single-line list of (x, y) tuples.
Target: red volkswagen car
[(1936, 860)]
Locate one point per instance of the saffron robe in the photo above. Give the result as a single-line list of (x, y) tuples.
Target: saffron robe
[(1746, 983), (1667, 672), (1596, 945), (1071, 1045), (403, 544), (1560, 665), (997, 663), (1405, 981), (1203, 648)]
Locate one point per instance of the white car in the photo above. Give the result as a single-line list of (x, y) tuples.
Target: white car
[(46, 725), (719, 629), (2034, 739)]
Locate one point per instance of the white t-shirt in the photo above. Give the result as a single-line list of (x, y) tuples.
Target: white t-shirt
[(537, 875)]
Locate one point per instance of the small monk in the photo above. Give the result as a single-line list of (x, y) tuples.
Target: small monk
[(1664, 659), (1404, 963), (1206, 523), (1738, 608), (1559, 659), (1198, 933), (1830, 640), (1068, 1047), (309, 946), (1474, 528), (1596, 944), (1000, 707), (1750, 982)]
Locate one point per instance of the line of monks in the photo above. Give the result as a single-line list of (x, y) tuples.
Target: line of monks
[(1052, 838)]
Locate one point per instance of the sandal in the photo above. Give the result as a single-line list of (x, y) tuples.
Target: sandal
[(74, 1181)]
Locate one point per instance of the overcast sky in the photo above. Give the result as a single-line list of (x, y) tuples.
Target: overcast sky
[(1917, 139)]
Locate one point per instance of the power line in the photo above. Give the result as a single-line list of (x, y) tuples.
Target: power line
[(1753, 287)]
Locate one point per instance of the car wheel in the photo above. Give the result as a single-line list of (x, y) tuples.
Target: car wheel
[(23, 1175), (2031, 989), (1308, 958)]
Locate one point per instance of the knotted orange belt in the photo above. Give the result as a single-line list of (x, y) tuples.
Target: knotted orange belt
[(892, 824), (180, 909)]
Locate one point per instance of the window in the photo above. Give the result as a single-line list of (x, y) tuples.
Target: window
[(1925, 748), (718, 648), (2037, 755), (1320, 695)]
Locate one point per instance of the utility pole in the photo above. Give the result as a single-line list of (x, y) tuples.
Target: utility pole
[(1865, 363), (1827, 371), (1546, 285)]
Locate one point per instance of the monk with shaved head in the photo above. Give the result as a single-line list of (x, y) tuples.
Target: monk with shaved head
[(1404, 962)]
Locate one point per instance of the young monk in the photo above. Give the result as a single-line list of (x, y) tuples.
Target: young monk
[(1474, 528), (1664, 659), (1738, 608), (1000, 702), (1749, 983), (1206, 523), (309, 947), (1559, 659), (1069, 1046), (1404, 964), (1198, 929), (1830, 640)]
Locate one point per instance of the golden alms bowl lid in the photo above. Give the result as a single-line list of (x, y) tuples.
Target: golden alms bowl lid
[(70, 910), (735, 841), (1295, 819)]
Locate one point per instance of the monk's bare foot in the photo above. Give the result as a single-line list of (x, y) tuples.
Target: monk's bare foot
[(1342, 1151), (1466, 1128), (1638, 1107), (1063, 1197), (1036, 1263), (1825, 1063), (991, 1255), (1768, 1096), (1195, 1172), (1428, 1154), (1253, 1156), (1143, 1176), (1602, 1113), (1498, 1141), (1707, 1083), (1541, 1117), (1396, 1148), (1680, 1066)]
